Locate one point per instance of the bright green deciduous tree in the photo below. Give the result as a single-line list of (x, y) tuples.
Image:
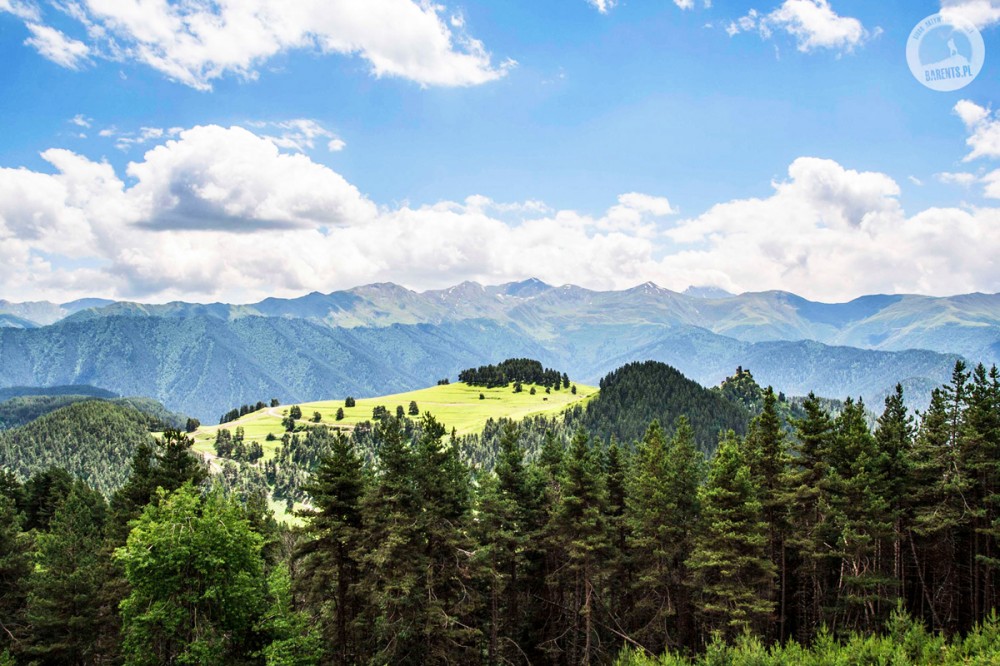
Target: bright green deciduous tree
[(195, 570)]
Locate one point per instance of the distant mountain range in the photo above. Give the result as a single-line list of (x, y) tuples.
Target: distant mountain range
[(205, 358)]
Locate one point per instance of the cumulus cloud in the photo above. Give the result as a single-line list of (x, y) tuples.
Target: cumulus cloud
[(835, 233), (232, 179), (813, 23), (196, 42), (57, 47), (982, 13), (983, 127), (175, 225)]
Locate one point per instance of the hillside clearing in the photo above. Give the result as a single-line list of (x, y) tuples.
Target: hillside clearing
[(457, 406)]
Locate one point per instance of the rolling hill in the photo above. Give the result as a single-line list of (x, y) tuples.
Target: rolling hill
[(455, 405), (94, 440)]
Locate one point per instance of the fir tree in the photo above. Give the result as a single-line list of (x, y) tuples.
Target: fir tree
[(15, 565), (578, 533), (732, 575), (662, 507), (811, 530), (63, 602), (329, 574)]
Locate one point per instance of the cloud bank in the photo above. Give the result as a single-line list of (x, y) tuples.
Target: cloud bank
[(196, 42), (228, 213)]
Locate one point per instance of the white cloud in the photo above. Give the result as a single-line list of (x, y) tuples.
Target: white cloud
[(22, 10), (684, 4), (956, 178), (81, 121), (982, 13), (57, 47), (603, 6), (196, 42), (231, 179), (126, 140), (983, 127), (992, 184), (300, 134), (644, 203), (834, 233), (178, 226), (813, 23)]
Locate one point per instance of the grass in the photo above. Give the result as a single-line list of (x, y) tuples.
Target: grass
[(455, 405)]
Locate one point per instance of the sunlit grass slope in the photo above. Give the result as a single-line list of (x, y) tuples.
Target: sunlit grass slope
[(456, 405)]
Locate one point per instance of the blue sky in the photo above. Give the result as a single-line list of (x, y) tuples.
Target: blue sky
[(550, 110)]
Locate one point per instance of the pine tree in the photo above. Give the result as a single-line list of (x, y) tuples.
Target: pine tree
[(811, 530), (63, 602), (508, 516), (15, 565), (768, 455), (894, 437), (443, 483), (579, 536), (731, 571), (864, 596), (980, 447), (329, 573), (168, 464), (938, 509), (389, 551), (662, 505)]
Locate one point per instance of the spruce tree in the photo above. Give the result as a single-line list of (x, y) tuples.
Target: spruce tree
[(732, 574), (938, 510), (580, 539), (662, 506), (812, 533), (63, 601), (894, 436), (769, 460), (329, 574), (15, 565), (864, 595)]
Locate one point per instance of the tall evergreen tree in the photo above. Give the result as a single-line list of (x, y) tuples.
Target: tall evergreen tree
[(63, 602), (894, 436), (938, 508), (15, 565), (329, 573), (732, 575), (812, 532), (769, 461), (662, 507), (864, 596), (580, 539)]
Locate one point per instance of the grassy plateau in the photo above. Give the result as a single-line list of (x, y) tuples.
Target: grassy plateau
[(457, 406)]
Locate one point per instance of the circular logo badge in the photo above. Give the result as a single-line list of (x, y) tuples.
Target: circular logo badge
[(945, 53)]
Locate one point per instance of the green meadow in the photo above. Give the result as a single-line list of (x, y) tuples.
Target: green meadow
[(457, 406)]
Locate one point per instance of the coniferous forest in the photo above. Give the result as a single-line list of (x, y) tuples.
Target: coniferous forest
[(809, 538)]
